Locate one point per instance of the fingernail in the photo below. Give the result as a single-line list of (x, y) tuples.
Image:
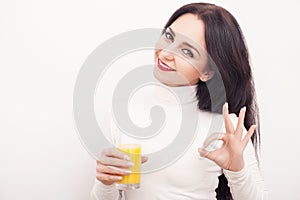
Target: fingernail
[(200, 150), (130, 164), (244, 108), (119, 178), (127, 171), (126, 157), (226, 104)]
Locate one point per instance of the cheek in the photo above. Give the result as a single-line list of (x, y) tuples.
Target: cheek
[(192, 73), (185, 67), (156, 52)]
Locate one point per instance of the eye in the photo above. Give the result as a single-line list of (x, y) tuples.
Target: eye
[(188, 52), (169, 36)]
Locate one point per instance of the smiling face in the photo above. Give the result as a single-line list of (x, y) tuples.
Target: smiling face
[(180, 54)]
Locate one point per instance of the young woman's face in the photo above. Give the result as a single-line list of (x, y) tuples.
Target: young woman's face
[(180, 54)]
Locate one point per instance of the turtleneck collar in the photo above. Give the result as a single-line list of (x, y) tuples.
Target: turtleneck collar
[(171, 95)]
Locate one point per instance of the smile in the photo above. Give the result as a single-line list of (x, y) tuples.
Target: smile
[(163, 66)]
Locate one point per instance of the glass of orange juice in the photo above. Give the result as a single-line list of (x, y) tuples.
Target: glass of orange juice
[(131, 181)]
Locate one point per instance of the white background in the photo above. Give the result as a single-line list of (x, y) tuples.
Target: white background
[(42, 47)]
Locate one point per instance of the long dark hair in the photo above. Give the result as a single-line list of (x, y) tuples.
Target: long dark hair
[(226, 47)]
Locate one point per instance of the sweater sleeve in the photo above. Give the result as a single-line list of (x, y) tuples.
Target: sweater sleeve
[(103, 192), (247, 183)]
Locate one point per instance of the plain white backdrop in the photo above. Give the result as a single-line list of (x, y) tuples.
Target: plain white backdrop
[(42, 47)]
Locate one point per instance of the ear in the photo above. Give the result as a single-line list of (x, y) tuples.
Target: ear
[(206, 76)]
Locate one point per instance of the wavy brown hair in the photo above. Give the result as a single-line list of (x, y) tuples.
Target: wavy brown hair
[(233, 82)]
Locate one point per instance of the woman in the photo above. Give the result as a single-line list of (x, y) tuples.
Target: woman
[(202, 47)]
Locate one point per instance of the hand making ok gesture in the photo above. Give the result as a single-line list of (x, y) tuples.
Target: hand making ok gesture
[(230, 155)]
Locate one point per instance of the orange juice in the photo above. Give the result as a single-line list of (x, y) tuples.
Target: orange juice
[(131, 181)]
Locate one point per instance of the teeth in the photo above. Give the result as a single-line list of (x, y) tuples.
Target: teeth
[(163, 65)]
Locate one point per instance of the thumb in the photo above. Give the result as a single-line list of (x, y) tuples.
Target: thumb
[(203, 152), (211, 155)]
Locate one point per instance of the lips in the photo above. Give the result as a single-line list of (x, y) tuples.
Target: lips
[(163, 66)]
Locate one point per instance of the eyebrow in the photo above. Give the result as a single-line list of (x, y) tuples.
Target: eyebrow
[(184, 43), (171, 30)]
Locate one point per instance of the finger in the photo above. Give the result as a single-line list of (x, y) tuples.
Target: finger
[(228, 124), (211, 155), (203, 152), (113, 170), (144, 159), (240, 124), (116, 162), (108, 179), (113, 152), (213, 137), (249, 135)]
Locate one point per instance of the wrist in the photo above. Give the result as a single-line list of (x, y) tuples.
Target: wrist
[(236, 164)]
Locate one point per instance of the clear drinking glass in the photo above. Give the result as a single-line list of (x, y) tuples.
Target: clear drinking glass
[(131, 181)]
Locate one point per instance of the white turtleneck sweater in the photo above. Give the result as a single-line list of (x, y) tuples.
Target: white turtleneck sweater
[(189, 177)]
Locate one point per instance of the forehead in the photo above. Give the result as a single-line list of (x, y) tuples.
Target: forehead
[(189, 26)]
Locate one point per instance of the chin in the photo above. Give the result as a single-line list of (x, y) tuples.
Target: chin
[(161, 80)]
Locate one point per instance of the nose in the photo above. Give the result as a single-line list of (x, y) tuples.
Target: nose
[(167, 54)]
